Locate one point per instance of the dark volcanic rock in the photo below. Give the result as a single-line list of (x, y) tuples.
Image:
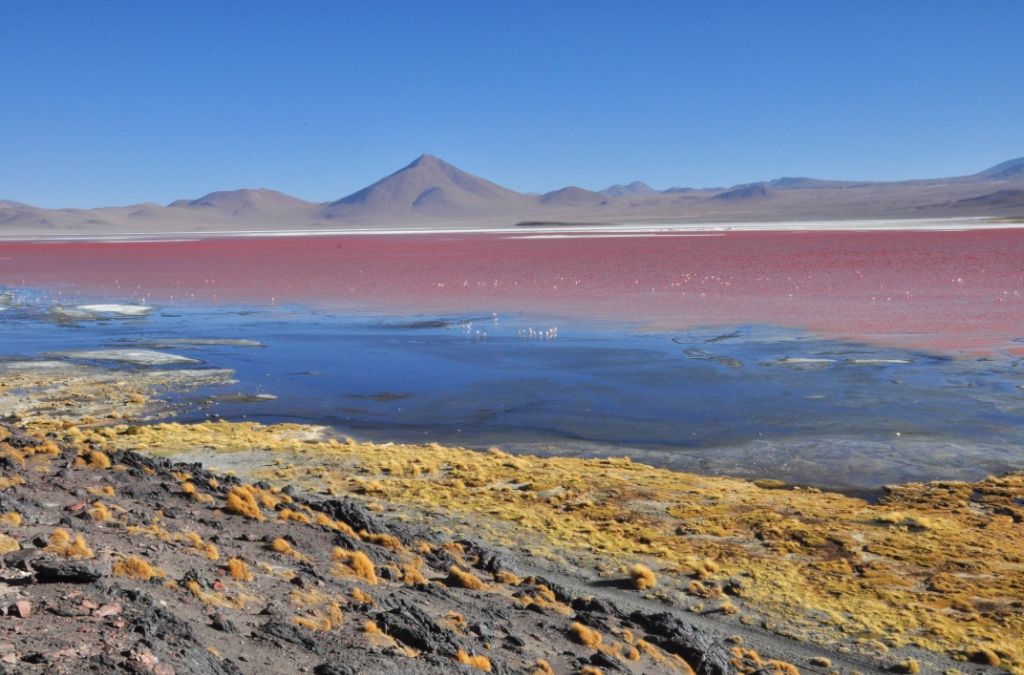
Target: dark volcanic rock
[(66, 571), (353, 513), (412, 626), (289, 633), (705, 653)]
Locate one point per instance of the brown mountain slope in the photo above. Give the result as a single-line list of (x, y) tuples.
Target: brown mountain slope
[(432, 192), (427, 188)]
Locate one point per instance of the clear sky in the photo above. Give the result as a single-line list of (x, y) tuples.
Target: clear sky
[(113, 102)]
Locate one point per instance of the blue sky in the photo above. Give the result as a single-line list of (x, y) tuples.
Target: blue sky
[(119, 102)]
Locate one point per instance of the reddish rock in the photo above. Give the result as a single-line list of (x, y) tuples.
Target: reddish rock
[(23, 608)]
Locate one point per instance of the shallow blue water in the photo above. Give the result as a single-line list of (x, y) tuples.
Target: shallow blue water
[(720, 400)]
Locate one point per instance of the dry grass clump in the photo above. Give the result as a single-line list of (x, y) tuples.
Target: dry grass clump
[(643, 577), (361, 597), (464, 579), (7, 482), (15, 456), (412, 576), (242, 502), (908, 666), (588, 637), (478, 661), (239, 570), (212, 599), (324, 613), (63, 544), (704, 568), (541, 667), (293, 516), (97, 460), (8, 544), (12, 518), (282, 546), (135, 567), (197, 543), (985, 656), (388, 541), (358, 563), (317, 623), (100, 512), (324, 520), (505, 577), (104, 491), (189, 489), (590, 670)]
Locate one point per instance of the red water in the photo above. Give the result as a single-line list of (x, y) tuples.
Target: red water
[(943, 291)]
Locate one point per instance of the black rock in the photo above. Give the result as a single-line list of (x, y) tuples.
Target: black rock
[(223, 624), (288, 632), (705, 653), (412, 626), (65, 571), (353, 513), (606, 662)]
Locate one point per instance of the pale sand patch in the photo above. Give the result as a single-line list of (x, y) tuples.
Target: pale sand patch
[(146, 357)]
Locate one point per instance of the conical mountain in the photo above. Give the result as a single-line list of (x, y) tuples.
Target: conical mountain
[(428, 187)]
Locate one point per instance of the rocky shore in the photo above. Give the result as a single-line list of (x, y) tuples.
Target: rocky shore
[(241, 548)]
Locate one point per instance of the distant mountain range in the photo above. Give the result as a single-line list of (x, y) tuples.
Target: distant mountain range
[(430, 192)]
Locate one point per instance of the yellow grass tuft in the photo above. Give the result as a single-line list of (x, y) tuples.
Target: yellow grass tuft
[(371, 627), (477, 661), (239, 570), (361, 597), (98, 460), (313, 623), (7, 482), (588, 637), (542, 667), (388, 541), (135, 567), (281, 545), (985, 656), (908, 666), (507, 578), (242, 502), (357, 562), (324, 520), (294, 516), (8, 544), (412, 576), (643, 577), (105, 491), (63, 544), (464, 579), (12, 518), (99, 511), (213, 599)]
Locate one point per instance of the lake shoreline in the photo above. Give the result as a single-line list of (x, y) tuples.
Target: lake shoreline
[(800, 574)]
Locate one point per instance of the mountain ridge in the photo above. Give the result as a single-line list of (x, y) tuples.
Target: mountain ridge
[(430, 191)]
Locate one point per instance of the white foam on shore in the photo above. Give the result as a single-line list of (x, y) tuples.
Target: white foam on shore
[(880, 362), (796, 361), (121, 310)]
